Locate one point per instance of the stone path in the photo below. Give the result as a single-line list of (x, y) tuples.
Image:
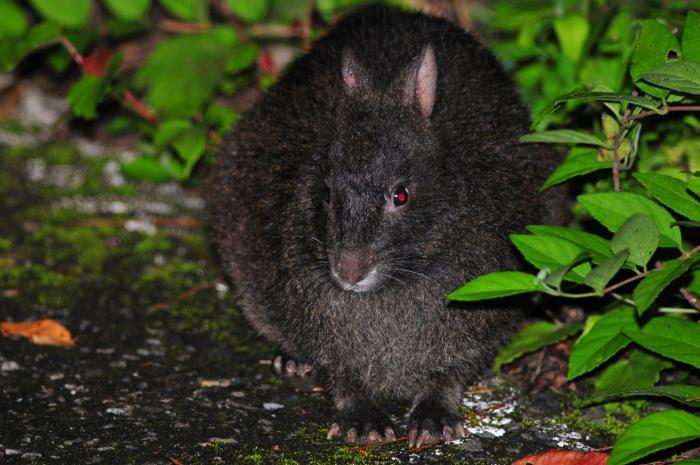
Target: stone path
[(164, 369)]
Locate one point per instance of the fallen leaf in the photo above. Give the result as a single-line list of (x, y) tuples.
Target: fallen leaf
[(96, 64), (564, 457), (40, 332)]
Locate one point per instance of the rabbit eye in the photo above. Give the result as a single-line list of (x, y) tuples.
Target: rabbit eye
[(400, 196)]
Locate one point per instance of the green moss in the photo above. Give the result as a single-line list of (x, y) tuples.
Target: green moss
[(41, 285), (63, 247), (5, 244), (61, 154), (528, 422), (256, 457), (618, 416), (172, 278), (148, 246)]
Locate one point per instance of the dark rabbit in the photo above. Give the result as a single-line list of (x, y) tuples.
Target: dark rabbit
[(381, 172)]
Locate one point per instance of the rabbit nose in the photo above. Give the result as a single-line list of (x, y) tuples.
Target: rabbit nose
[(353, 267)]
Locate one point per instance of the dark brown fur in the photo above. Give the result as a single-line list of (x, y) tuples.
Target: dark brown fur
[(471, 182)]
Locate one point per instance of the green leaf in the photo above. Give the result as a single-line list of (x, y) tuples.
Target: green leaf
[(220, 116), (578, 163), (145, 168), (242, 58), (642, 370), (13, 21), (547, 252), (618, 38), (612, 209), (675, 338), (13, 50), (190, 144), (198, 61), (497, 284), (654, 46), (572, 31), (656, 281), (130, 10), (555, 278), (189, 10), (694, 284), (85, 94), (596, 245), (532, 338), (71, 13), (168, 130), (671, 192), (328, 7), (563, 136), (601, 342), (653, 433), (683, 393), (173, 167), (601, 275), (249, 10), (681, 76), (288, 10), (640, 236), (690, 44), (643, 102)]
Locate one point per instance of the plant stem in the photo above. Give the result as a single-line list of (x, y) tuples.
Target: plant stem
[(140, 108), (308, 24), (678, 310), (127, 98), (664, 110), (690, 297), (616, 162), (622, 298), (74, 53), (609, 289)]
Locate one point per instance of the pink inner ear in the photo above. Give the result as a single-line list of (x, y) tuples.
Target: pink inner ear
[(350, 80), (427, 82), (421, 82), (353, 73)]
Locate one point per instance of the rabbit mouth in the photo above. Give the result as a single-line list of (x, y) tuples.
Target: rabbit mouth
[(365, 284)]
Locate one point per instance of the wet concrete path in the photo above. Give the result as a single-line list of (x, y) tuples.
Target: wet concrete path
[(165, 370)]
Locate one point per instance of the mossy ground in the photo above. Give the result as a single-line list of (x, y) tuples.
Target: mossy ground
[(126, 267)]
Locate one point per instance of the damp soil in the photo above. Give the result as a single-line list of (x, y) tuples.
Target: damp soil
[(165, 370)]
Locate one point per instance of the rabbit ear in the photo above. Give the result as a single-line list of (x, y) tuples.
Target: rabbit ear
[(421, 82), (354, 74)]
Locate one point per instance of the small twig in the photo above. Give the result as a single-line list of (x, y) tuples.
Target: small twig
[(307, 25), (184, 296), (168, 25), (128, 97), (275, 31), (662, 111), (217, 139), (690, 297), (462, 11), (689, 253), (687, 311), (616, 163), (139, 107), (77, 57)]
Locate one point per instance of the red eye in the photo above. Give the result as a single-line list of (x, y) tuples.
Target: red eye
[(400, 196)]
